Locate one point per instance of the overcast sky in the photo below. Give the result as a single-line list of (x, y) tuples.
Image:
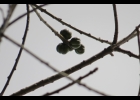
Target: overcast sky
[(118, 75)]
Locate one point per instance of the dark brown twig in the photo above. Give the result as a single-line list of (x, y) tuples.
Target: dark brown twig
[(116, 25), (19, 54), (6, 21), (138, 35), (2, 13), (130, 54), (21, 16), (70, 84)]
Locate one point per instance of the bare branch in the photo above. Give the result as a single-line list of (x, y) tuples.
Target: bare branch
[(130, 54), (116, 25), (2, 14), (6, 21), (70, 84), (138, 35), (19, 54), (21, 16)]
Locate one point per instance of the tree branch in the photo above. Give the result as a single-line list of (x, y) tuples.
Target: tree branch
[(116, 25), (6, 21), (70, 84), (138, 35), (21, 16), (130, 54), (2, 14), (19, 54)]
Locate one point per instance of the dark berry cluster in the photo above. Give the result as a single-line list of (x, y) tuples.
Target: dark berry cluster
[(75, 43)]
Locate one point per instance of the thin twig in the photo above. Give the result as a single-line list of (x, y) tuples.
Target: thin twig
[(70, 84), (21, 16), (116, 25), (138, 35), (130, 54), (19, 54), (2, 14), (78, 30), (6, 21)]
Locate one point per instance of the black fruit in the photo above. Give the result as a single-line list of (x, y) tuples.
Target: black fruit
[(62, 48), (66, 34), (75, 43), (80, 50)]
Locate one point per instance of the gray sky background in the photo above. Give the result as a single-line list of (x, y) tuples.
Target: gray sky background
[(118, 75)]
